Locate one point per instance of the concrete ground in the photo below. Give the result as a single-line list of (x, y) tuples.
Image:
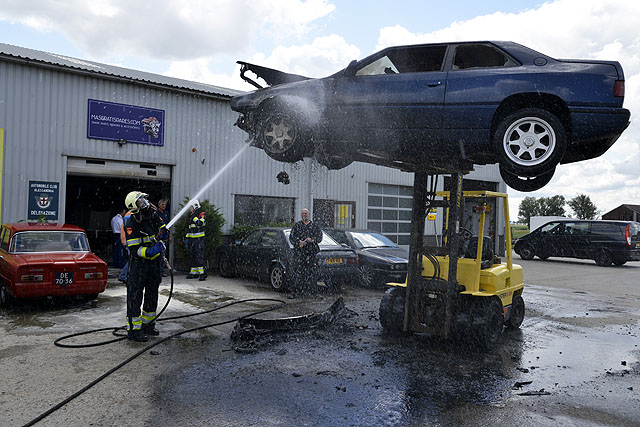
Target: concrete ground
[(573, 362)]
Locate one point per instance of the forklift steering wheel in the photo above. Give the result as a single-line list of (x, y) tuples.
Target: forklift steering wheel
[(465, 233)]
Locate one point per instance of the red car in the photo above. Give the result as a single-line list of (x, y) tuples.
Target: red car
[(40, 260)]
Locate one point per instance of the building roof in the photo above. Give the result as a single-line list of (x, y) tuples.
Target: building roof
[(36, 57), (635, 208)]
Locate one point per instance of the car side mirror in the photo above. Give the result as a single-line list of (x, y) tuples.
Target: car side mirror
[(350, 71)]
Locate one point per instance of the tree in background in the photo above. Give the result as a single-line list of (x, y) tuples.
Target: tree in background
[(542, 206), (528, 207), (583, 207)]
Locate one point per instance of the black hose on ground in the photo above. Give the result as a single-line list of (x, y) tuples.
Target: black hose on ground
[(150, 346)]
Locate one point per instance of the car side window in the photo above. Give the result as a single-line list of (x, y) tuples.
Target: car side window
[(576, 228), (269, 239), (551, 228), (252, 239), (418, 59), (606, 229), (481, 56)]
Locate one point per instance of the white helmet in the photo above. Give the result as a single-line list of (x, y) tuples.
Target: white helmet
[(136, 200), (195, 203)]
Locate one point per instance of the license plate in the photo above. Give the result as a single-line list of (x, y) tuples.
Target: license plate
[(64, 278), (333, 261)]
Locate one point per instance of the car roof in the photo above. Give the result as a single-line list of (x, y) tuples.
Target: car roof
[(353, 230), (35, 226), (597, 221)]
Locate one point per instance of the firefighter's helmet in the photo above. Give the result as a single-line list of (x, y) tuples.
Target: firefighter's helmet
[(136, 201), (195, 203)]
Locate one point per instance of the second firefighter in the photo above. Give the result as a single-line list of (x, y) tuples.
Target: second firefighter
[(195, 241)]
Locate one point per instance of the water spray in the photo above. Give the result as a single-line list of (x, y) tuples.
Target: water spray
[(206, 186)]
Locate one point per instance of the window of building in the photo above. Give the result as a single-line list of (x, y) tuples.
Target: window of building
[(262, 210), (389, 211)]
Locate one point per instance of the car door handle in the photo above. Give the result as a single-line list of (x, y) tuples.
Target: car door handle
[(434, 84)]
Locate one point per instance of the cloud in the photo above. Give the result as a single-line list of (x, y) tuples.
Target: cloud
[(166, 29), (322, 57), (579, 29)]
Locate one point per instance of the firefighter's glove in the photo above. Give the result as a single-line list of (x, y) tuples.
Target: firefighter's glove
[(152, 252)]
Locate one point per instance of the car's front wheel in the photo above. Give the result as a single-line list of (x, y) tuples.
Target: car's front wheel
[(283, 137), (277, 278), (526, 252), (367, 276), (530, 142)]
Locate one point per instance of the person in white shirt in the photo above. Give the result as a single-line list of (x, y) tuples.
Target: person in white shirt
[(118, 249)]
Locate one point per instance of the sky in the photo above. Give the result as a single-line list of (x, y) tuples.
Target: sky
[(201, 40)]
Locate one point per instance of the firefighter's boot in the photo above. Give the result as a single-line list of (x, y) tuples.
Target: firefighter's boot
[(150, 329), (137, 336)]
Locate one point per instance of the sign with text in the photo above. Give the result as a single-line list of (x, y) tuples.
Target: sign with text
[(121, 122), (43, 200)]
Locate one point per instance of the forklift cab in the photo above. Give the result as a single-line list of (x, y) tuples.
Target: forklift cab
[(460, 289)]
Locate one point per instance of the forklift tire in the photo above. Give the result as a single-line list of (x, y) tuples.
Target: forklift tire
[(517, 313), (489, 331), (392, 310)]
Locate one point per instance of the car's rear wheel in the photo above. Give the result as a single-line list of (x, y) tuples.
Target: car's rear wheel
[(603, 257), (530, 142), (225, 267), (526, 252), (283, 137), (277, 278), (619, 261), (526, 183), (6, 299)]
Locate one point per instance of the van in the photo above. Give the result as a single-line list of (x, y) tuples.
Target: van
[(605, 242)]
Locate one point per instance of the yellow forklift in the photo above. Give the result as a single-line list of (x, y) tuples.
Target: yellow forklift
[(459, 289)]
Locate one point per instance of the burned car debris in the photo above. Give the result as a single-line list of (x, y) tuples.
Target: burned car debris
[(441, 108)]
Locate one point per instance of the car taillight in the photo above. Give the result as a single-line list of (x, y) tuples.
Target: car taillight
[(31, 278), (618, 89), (352, 260), (628, 236), (93, 275)]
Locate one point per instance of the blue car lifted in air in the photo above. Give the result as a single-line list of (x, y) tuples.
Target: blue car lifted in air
[(441, 108)]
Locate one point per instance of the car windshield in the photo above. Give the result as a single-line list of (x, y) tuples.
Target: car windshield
[(326, 240), (49, 241), (371, 240)]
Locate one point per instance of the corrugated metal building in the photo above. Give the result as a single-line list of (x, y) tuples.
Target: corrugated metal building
[(44, 115)]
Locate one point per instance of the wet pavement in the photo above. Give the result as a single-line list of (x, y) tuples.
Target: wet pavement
[(573, 362)]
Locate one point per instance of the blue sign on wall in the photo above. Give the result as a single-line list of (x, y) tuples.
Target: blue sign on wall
[(115, 122), (43, 200)]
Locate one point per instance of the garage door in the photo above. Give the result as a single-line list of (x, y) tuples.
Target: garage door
[(116, 168)]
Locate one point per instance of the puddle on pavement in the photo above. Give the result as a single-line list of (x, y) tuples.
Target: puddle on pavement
[(555, 360)]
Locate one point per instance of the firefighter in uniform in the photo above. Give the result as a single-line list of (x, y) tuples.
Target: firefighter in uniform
[(146, 257), (305, 237), (195, 241)]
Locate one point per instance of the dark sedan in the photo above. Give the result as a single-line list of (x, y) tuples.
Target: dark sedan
[(380, 260), (441, 108), (267, 254)]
